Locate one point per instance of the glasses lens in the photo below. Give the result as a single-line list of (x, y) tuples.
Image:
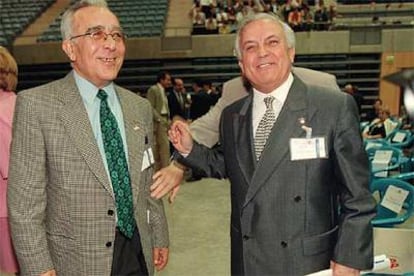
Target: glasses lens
[(98, 35), (117, 36)]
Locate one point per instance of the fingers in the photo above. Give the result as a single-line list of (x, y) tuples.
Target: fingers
[(166, 180), (49, 273), (160, 258), (173, 194)]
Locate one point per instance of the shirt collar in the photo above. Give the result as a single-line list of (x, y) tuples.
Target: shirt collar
[(279, 93), (89, 91)]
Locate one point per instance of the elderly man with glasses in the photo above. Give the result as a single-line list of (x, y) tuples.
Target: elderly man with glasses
[(81, 163)]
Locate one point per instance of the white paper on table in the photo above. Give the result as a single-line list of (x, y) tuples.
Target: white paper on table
[(394, 198), (381, 161), (398, 137)]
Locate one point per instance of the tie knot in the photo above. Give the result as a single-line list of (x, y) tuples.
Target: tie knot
[(269, 102), (102, 95)]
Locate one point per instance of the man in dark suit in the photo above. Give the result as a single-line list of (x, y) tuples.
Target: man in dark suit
[(205, 130), (177, 100), (201, 101), (80, 166), (301, 203)]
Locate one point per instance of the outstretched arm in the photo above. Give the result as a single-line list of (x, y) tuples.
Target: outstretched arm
[(205, 131), (169, 178)]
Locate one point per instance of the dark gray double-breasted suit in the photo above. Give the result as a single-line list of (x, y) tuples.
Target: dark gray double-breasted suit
[(293, 217)]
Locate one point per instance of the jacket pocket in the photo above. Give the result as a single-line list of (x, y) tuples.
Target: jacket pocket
[(320, 243)]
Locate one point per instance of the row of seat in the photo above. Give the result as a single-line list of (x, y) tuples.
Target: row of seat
[(392, 172), (15, 16), (352, 2), (138, 18)]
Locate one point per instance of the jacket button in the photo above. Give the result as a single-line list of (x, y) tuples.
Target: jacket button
[(284, 244), (245, 237), (297, 198), (110, 212), (108, 244)]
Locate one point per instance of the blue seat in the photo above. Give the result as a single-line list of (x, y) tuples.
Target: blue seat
[(395, 161), (400, 138), (386, 217)]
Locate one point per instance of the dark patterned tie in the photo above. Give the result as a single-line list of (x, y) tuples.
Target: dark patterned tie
[(117, 166), (265, 127)]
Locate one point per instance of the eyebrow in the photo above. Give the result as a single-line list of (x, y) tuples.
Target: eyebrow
[(100, 27), (267, 38)]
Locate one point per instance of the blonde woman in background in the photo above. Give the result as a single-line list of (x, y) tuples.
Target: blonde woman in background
[(8, 82)]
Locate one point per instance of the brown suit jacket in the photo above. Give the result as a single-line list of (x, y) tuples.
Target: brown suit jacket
[(60, 199)]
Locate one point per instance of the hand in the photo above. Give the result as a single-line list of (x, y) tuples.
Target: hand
[(51, 272), (166, 180), (180, 136), (160, 256), (341, 270)]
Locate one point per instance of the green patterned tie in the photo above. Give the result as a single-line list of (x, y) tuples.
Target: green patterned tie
[(117, 166)]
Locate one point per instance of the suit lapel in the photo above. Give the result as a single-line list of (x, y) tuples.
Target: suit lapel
[(242, 125), (135, 136), (287, 126), (76, 121)]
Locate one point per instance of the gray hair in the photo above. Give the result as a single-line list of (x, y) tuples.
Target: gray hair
[(251, 17), (67, 17)]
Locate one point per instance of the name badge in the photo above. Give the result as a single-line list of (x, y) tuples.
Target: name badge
[(307, 148), (148, 159)]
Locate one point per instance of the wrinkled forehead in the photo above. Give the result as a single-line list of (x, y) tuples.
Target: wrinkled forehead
[(95, 17), (261, 28)]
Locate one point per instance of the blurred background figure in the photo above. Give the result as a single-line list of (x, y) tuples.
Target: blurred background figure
[(8, 82), (372, 114), (201, 101), (157, 96), (380, 127), (353, 91), (177, 100)]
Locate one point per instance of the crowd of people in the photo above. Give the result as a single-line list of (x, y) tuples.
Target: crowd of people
[(222, 17)]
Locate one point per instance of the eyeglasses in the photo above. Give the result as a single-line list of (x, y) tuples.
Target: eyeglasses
[(100, 35)]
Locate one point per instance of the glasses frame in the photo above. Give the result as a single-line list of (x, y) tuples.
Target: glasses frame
[(104, 38)]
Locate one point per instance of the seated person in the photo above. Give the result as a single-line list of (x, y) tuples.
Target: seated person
[(373, 112), (381, 126)]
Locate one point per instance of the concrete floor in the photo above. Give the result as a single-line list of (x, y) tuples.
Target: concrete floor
[(199, 222)]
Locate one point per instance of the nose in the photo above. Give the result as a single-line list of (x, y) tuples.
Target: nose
[(109, 42), (262, 50)]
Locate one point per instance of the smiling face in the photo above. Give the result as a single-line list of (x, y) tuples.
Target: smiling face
[(98, 61), (266, 60)]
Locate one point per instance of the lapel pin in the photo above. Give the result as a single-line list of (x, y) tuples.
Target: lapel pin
[(307, 129)]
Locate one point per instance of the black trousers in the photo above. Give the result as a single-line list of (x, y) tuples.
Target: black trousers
[(128, 257)]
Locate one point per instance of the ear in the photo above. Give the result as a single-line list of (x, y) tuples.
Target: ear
[(241, 66), (291, 53), (68, 48)]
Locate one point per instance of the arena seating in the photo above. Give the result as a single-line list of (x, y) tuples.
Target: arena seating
[(384, 15), (139, 18), (346, 2), (362, 70), (16, 15)]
